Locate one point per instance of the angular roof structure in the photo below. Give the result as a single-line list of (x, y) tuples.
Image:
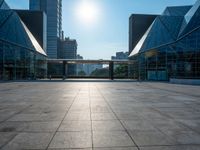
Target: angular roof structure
[(176, 10), (3, 5), (191, 19), (13, 30), (174, 24)]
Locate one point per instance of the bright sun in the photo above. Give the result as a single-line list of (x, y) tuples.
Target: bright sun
[(87, 12)]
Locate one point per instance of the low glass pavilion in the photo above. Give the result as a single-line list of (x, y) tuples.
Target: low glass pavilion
[(21, 57), (170, 48)]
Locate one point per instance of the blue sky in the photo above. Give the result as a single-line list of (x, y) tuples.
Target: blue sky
[(109, 33)]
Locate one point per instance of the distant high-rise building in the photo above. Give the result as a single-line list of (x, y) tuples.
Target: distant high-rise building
[(53, 10), (79, 57), (120, 55), (67, 49)]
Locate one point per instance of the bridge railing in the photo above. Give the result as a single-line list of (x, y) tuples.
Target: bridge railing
[(68, 68)]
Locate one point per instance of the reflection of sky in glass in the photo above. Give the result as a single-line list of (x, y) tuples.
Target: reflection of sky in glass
[(3, 5), (192, 11), (34, 41), (177, 10), (139, 45)]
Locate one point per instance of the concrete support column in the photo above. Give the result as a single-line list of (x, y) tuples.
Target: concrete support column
[(111, 73), (65, 69)]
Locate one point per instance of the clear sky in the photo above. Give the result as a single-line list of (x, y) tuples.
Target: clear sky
[(101, 26)]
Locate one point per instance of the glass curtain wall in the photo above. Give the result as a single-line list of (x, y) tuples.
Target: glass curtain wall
[(179, 60), (18, 63)]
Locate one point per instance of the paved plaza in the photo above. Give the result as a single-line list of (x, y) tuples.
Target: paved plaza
[(99, 116)]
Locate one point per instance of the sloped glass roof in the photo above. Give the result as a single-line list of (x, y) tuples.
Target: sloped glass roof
[(4, 16), (172, 24), (192, 11), (157, 36), (191, 19), (141, 42), (166, 12), (15, 31), (34, 41), (3, 5), (176, 10), (191, 41)]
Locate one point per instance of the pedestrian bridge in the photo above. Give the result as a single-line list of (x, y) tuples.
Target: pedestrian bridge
[(63, 65)]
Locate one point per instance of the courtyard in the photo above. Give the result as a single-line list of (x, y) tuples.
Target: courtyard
[(99, 116)]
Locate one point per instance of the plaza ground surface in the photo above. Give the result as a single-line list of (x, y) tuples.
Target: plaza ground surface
[(99, 116)]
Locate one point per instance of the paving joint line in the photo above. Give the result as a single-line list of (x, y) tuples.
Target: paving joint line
[(63, 119), (16, 132), (91, 118), (118, 119)]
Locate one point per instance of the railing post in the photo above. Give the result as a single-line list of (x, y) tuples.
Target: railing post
[(111, 64), (64, 70)]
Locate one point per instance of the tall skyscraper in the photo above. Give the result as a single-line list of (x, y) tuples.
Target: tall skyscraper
[(53, 10)]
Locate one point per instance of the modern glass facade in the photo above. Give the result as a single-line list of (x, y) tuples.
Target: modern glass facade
[(21, 57), (171, 46), (3, 5), (138, 24), (39, 29), (17, 62), (53, 10)]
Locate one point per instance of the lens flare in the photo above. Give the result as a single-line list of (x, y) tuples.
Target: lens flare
[(87, 12)]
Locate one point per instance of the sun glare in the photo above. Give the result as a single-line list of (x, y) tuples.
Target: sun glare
[(87, 12)]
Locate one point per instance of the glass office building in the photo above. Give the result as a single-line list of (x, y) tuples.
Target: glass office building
[(53, 10), (170, 47), (21, 57)]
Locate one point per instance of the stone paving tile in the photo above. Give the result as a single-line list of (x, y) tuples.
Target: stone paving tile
[(111, 139), (138, 125), (103, 116), (184, 136), (70, 149), (179, 147), (29, 141), (78, 116), (168, 124), (113, 125), (79, 108), (38, 117), (42, 126), (151, 138), (75, 126), (101, 109), (117, 148), (130, 115), (72, 140), (6, 115), (38, 109), (192, 124), (12, 126), (6, 137), (157, 116)]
